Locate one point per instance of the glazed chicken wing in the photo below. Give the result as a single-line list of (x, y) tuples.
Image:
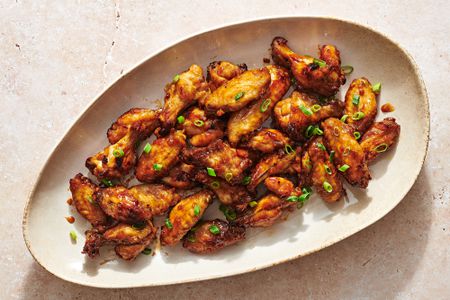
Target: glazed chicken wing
[(251, 117), (212, 236), (164, 154), (138, 203), (115, 161), (140, 120), (348, 153), (360, 105), (185, 90), (280, 186), (219, 72), (379, 138), (295, 114), (267, 140), (94, 241), (322, 173), (228, 163), (129, 234), (180, 176), (238, 92), (322, 76), (130, 252), (184, 216)]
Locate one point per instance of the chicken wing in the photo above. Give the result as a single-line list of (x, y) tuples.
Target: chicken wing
[(180, 176), (130, 252), (161, 158), (130, 234), (83, 196), (141, 120), (295, 114), (322, 172), (251, 117), (360, 105), (184, 216), (212, 236), (182, 92), (348, 153), (138, 203), (115, 161), (322, 76), (238, 92), (280, 186), (94, 241), (379, 138), (219, 72), (267, 140), (228, 163)]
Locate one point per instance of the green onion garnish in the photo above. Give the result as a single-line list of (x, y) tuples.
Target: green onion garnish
[(246, 180), (381, 148), (336, 131), (199, 123), (305, 110), (252, 203), (180, 119), (196, 210), (107, 182), (332, 153), (319, 62), (292, 199), (327, 187), (239, 96), (344, 168), (211, 172), (309, 131), (307, 190), (347, 69), (147, 148), (228, 176), (288, 149), (344, 118), (376, 88), (229, 213), (321, 146), (176, 78), (90, 200), (118, 153), (357, 135), (315, 108), (265, 105), (355, 99), (157, 167), (191, 238), (215, 184), (327, 169), (168, 224), (346, 151), (214, 229), (73, 235), (358, 116), (317, 131), (147, 251)]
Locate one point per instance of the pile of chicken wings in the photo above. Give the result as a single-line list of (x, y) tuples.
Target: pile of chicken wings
[(211, 146)]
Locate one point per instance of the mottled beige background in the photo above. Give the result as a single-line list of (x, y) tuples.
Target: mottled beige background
[(55, 56)]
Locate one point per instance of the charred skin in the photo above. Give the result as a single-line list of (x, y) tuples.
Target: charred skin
[(243, 122), (228, 163), (310, 76), (238, 92), (234, 196), (219, 72), (203, 241), (380, 133), (182, 93), (163, 155), (322, 170), (361, 90), (183, 217), (280, 186), (180, 176), (269, 209), (140, 120), (84, 198), (293, 121), (138, 203), (110, 163), (267, 140), (339, 137)]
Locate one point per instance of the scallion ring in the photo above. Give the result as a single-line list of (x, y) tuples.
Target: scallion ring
[(381, 148), (288, 149), (292, 199), (168, 224), (147, 148), (327, 186), (336, 131), (228, 176), (358, 116), (376, 88), (305, 110), (196, 210), (215, 184), (211, 172), (265, 105), (199, 123), (347, 69), (319, 62), (355, 99), (239, 96), (327, 169), (214, 229), (315, 108), (317, 131), (344, 168), (180, 119), (176, 78), (321, 146), (252, 203), (309, 131), (157, 167), (357, 135), (118, 153), (344, 118)]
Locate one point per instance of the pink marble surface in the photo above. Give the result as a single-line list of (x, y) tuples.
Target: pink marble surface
[(56, 56)]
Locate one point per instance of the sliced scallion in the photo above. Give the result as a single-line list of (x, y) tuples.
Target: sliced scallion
[(214, 229), (376, 88), (252, 203), (327, 186), (239, 96), (327, 169), (73, 235), (147, 251), (180, 119), (168, 224), (315, 108), (118, 153), (381, 148), (357, 135), (176, 78), (147, 148), (292, 199), (265, 105), (211, 172), (321, 146), (355, 99), (305, 110), (196, 210), (344, 168), (319, 62), (199, 123), (358, 116), (344, 118), (288, 149), (347, 69)]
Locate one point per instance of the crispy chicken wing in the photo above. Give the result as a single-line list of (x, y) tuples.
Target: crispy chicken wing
[(129, 234), (185, 90), (138, 203), (323, 76), (251, 117), (380, 137), (322, 173), (83, 195), (267, 140), (339, 138), (238, 92), (94, 241), (212, 236), (180, 176), (141, 120), (360, 99), (130, 252), (219, 72), (280, 186), (164, 154), (227, 162), (184, 216), (115, 161)]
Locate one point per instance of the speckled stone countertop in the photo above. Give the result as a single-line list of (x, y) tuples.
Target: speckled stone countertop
[(56, 56)]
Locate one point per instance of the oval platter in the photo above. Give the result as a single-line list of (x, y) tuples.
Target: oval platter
[(316, 226)]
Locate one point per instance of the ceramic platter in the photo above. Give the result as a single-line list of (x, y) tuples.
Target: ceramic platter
[(310, 229)]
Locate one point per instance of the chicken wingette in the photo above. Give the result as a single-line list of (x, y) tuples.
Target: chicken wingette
[(267, 140), (219, 72), (380, 137)]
